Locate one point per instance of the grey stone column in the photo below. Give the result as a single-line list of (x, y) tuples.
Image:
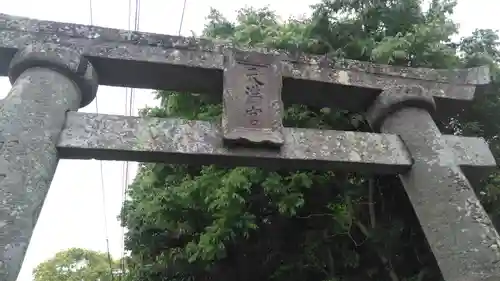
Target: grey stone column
[(458, 230), (47, 82)]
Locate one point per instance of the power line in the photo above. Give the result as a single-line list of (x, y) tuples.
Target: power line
[(124, 187), (182, 17), (103, 193), (129, 107), (129, 104), (137, 14), (90, 9)]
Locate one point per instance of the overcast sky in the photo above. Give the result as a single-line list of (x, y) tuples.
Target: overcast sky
[(73, 214)]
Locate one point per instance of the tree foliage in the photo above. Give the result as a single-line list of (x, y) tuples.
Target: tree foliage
[(188, 222), (76, 265)]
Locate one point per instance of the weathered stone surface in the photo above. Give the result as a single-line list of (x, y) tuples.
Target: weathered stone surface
[(100, 34), (396, 98), (143, 60), (473, 155), (356, 90), (181, 141), (33, 115), (110, 137), (128, 65), (479, 75), (48, 81), (252, 105), (61, 59), (458, 230)]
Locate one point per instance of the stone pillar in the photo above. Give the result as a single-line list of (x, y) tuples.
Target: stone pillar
[(47, 82), (458, 230)]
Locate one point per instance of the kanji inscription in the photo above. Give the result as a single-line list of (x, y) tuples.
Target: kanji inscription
[(252, 99)]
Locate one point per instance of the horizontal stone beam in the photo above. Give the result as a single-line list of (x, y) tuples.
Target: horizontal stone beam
[(146, 60), (112, 137), (473, 76)]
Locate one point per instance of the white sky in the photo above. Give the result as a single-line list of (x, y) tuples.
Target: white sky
[(73, 212)]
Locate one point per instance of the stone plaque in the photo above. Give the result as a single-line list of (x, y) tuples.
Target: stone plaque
[(253, 110)]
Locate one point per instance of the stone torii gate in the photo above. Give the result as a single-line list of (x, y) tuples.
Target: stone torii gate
[(53, 68)]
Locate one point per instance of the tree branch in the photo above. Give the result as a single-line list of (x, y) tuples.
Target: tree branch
[(371, 204), (383, 259)]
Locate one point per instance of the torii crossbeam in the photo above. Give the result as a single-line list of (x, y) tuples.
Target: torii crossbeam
[(54, 67)]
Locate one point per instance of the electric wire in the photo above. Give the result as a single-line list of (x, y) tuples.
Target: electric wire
[(90, 14), (182, 17), (129, 107), (123, 193), (129, 104), (110, 260)]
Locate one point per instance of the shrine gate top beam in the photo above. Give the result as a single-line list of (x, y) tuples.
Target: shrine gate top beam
[(154, 61)]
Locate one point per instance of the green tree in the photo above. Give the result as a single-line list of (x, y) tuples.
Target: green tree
[(208, 223), (76, 265)]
